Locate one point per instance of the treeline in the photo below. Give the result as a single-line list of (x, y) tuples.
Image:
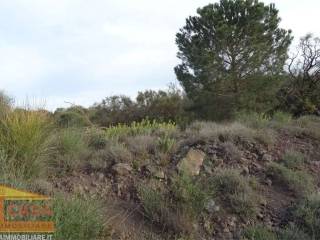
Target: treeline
[(163, 106), (234, 58)]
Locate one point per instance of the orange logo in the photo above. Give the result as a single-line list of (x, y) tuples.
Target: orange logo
[(26, 207)]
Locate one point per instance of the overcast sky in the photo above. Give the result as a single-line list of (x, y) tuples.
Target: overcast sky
[(80, 51)]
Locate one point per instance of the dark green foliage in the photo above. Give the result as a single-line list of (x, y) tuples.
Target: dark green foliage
[(159, 105), (75, 116), (230, 51)]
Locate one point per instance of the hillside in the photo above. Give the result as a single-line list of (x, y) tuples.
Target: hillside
[(256, 178)]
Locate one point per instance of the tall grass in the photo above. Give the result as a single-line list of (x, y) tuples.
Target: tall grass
[(23, 134), (77, 218)]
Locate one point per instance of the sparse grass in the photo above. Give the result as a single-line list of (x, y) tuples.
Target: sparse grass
[(307, 215), (292, 233), (162, 211), (231, 152), (209, 131), (23, 135), (253, 120), (308, 125), (293, 159), (300, 182), (77, 218), (259, 233), (234, 191)]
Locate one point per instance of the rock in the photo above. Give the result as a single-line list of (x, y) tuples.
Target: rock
[(160, 174), (122, 169), (192, 163), (263, 202), (100, 176), (266, 158), (268, 182), (210, 206), (245, 170), (260, 216)]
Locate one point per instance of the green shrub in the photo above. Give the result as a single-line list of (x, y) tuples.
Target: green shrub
[(235, 191), (156, 207), (96, 138), (72, 117), (300, 182), (307, 215), (77, 218), (259, 233), (23, 135), (189, 194), (71, 141), (70, 149)]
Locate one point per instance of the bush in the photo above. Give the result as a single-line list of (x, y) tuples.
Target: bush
[(23, 135), (300, 182), (96, 138), (76, 116), (235, 191), (77, 218), (162, 211), (70, 149), (189, 194), (307, 215)]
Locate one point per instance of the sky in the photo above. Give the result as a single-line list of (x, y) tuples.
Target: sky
[(57, 52)]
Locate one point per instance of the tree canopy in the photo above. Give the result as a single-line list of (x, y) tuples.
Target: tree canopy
[(226, 47)]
